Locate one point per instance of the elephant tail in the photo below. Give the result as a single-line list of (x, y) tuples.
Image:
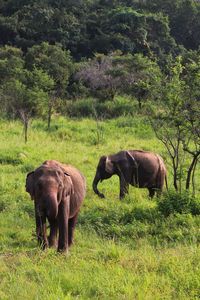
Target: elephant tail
[(162, 173)]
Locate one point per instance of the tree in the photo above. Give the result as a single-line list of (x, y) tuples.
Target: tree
[(57, 63), (124, 28), (139, 76), (24, 93), (191, 115), (27, 96), (11, 63), (176, 120), (97, 75), (184, 19)]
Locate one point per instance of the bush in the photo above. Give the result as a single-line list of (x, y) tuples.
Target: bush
[(80, 108), (173, 202), (107, 109)]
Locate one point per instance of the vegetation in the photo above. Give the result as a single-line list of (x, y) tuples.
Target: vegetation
[(87, 78), (135, 248), (87, 27)]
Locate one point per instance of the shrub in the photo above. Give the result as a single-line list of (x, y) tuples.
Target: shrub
[(80, 108), (108, 109), (173, 202)]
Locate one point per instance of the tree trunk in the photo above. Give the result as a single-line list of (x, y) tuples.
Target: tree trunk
[(139, 104), (175, 176), (26, 131), (193, 182), (49, 116), (25, 117), (189, 173)]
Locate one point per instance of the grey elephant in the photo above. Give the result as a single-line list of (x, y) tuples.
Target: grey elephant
[(136, 167), (58, 191)]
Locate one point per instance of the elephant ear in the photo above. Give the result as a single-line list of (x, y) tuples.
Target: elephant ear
[(68, 185), (109, 165), (29, 184)]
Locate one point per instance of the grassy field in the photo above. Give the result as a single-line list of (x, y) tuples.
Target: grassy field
[(123, 249)]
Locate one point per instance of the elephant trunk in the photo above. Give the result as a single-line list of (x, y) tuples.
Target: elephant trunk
[(95, 183), (51, 206)]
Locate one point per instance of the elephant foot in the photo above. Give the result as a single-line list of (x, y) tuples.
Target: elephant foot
[(70, 243), (43, 244), (52, 243), (63, 250)]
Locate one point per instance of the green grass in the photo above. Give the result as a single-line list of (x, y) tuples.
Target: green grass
[(123, 249)]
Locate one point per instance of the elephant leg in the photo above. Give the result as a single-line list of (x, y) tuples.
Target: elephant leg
[(71, 224), (41, 231), (53, 233), (63, 216), (151, 192), (124, 186)]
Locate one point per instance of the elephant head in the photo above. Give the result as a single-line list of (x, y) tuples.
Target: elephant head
[(47, 186), (105, 169)]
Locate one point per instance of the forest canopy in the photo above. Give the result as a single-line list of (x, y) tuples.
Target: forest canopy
[(85, 27)]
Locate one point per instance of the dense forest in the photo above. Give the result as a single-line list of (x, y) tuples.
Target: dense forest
[(85, 27)]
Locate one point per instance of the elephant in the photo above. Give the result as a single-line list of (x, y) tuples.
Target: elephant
[(58, 191), (136, 167)]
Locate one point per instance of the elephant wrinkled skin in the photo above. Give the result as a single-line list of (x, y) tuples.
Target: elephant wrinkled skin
[(136, 167), (58, 191)]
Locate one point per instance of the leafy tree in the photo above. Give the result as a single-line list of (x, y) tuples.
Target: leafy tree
[(24, 93), (125, 29), (11, 63), (8, 29), (176, 120), (57, 63), (140, 77), (191, 115), (27, 96), (184, 19)]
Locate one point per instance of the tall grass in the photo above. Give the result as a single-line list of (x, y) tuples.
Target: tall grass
[(126, 249)]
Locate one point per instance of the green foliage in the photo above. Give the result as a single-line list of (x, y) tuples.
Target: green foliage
[(53, 60), (107, 109), (142, 77), (175, 118), (173, 202), (87, 27), (108, 75), (11, 63), (28, 93)]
